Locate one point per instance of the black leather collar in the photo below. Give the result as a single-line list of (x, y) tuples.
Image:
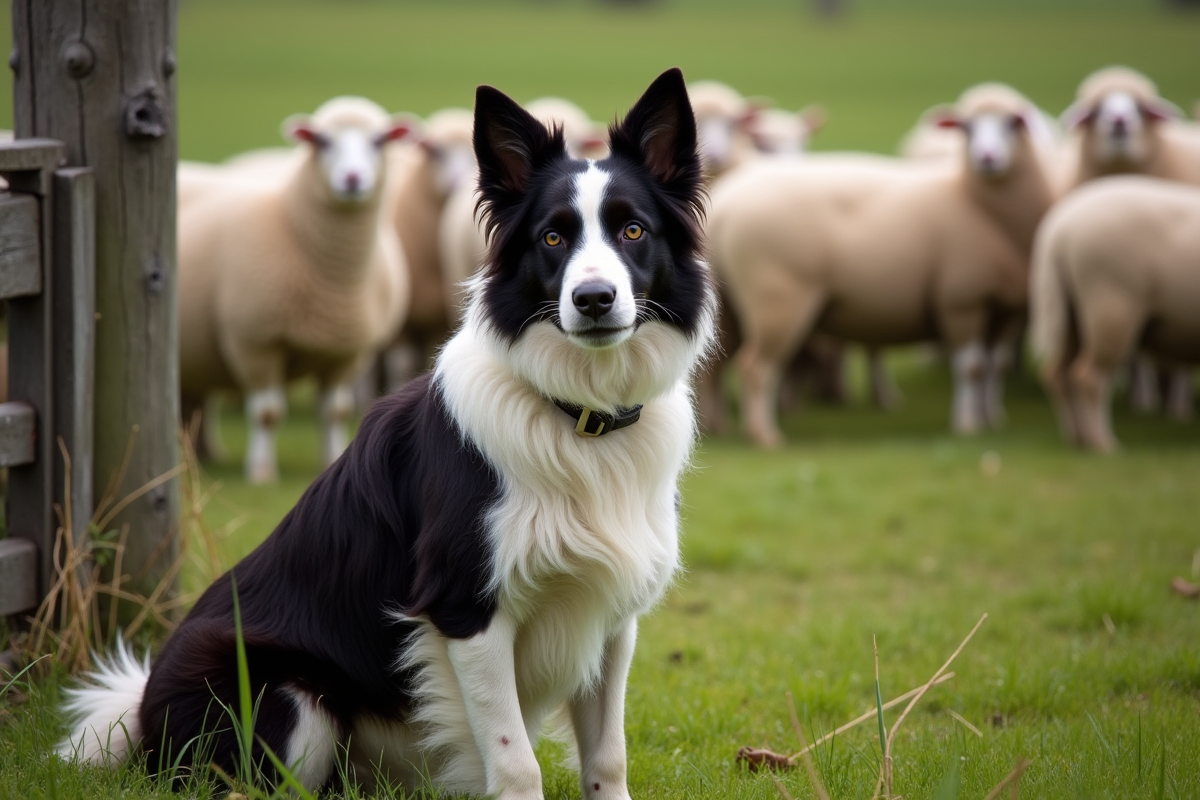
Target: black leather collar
[(590, 422)]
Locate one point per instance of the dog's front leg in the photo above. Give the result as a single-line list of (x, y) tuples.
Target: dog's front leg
[(599, 719), (483, 665)]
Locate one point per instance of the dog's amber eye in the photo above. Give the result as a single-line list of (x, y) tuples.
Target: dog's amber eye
[(551, 238), (634, 231)]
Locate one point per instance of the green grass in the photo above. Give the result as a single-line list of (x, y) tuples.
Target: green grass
[(866, 523)]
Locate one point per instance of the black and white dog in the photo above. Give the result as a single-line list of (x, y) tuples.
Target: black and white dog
[(477, 560)]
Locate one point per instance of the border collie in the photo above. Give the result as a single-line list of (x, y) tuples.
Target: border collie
[(478, 558)]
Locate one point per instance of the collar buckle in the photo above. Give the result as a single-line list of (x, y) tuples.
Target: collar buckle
[(581, 427)]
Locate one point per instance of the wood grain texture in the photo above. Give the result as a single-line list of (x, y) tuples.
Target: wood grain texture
[(99, 76), (18, 576), (18, 433), (20, 246), (74, 312)]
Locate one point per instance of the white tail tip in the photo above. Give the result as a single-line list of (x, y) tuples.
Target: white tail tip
[(105, 724)]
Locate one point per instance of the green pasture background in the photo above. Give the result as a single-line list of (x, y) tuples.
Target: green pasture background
[(866, 523)]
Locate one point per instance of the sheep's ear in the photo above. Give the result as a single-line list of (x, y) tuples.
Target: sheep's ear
[(300, 128), (943, 117), (401, 126), (595, 142), (1160, 110), (1077, 114), (812, 118), (660, 132), (754, 108), (509, 142)]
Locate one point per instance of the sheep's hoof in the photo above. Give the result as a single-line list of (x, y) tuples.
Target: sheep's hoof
[(967, 427), (259, 474), (767, 440)]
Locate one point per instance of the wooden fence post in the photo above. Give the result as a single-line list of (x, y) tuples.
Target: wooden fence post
[(99, 76)]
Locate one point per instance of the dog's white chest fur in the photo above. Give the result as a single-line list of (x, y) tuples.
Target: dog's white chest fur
[(584, 536)]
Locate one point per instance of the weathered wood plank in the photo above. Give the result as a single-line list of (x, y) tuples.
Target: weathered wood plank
[(74, 309), (30, 380), (99, 76), (20, 246), (18, 576), (18, 433), (31, 154)]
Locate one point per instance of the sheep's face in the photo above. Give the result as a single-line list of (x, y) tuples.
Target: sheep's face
[(777, 132), (453, 165), (716, 135), (995, 140), (1119, 128), (594, 250), (350, 156)]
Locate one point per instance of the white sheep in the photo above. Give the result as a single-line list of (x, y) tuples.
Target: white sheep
[(774, 131), (722, 116), (1114, 268), (885, 251), (461, 242), (584, 137), (1121, 125), (427, 169), (293, 274)]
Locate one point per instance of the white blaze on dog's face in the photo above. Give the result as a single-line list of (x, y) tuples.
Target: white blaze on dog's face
[(596, 304), (594, 250)]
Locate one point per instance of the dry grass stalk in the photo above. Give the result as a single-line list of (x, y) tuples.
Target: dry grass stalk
[(895, 701), (964, 722), (757, 758), (884, 781), (68, 622), (1013, 779), (811, 768)]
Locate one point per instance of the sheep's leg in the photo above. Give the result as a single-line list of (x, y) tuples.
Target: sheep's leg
[(1054, 377), (760, 387), (1180, 395), (999, 359), (773, 331), (336, 405), (1090, 392), (1144, 396), (265, 409), (884, 392), (710, 399), (401, 362), (969, 362), (210, 429), (1110, 321)]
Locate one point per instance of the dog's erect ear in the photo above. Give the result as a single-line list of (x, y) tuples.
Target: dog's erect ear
[(660, 131), (509, 143)]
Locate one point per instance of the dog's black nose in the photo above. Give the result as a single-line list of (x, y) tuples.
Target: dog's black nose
[(594, 299)]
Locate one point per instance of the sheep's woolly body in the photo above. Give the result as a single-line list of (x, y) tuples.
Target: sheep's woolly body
[(279, 279), (1111, 257), (416, 199), (872, 249)]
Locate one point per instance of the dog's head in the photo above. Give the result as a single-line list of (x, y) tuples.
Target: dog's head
[(594, 264)]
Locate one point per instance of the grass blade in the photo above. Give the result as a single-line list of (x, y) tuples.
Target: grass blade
[(245, 706)]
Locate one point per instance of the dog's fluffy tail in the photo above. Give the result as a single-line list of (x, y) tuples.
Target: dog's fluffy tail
[(105, 723)]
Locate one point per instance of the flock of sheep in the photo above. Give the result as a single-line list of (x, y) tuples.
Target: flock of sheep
[(343, 256)]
